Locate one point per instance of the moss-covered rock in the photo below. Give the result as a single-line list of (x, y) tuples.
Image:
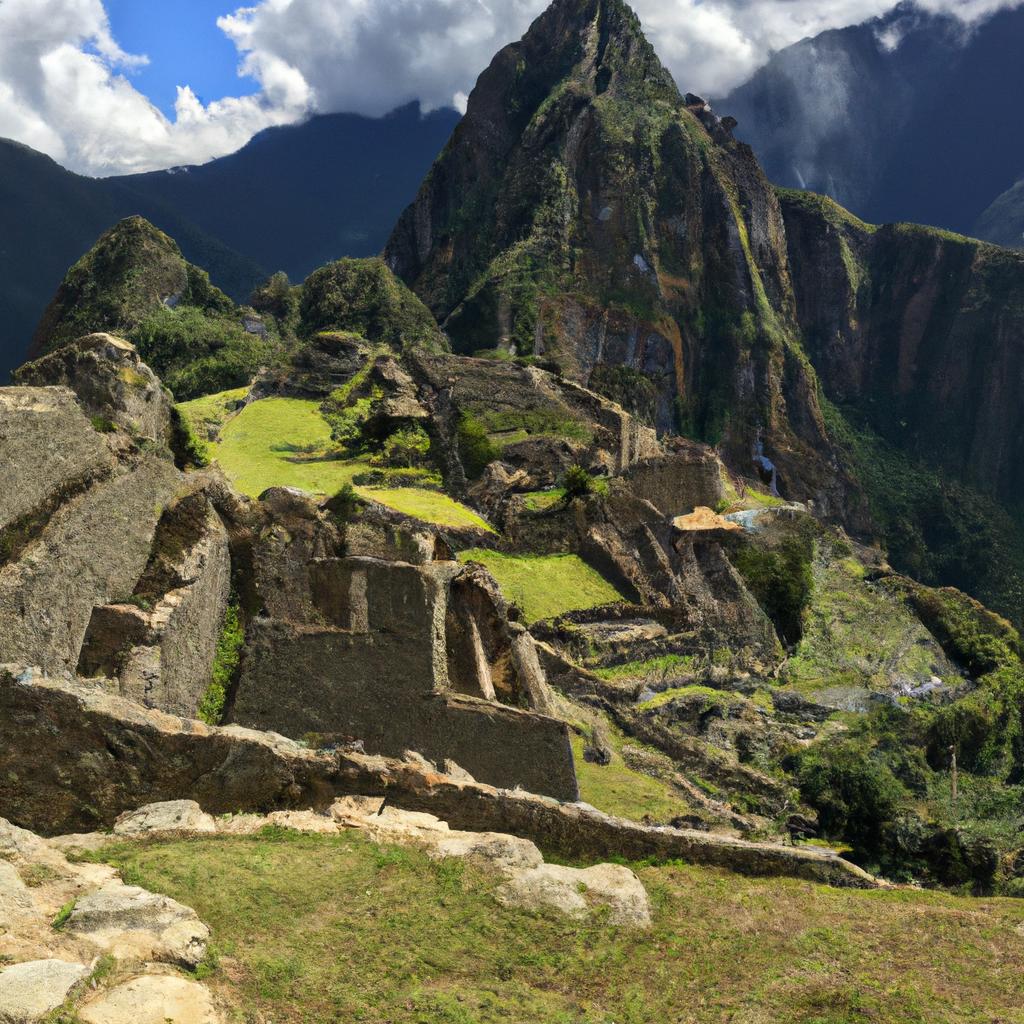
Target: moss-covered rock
[(132, 271), (363, 297)]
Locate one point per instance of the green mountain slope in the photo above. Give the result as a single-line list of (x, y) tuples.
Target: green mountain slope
[(586, 213)]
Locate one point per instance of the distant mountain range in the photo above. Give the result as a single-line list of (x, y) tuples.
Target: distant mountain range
[(907, 117), (292, 199)]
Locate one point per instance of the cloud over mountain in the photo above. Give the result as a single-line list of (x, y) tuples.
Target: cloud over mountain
[(66, 89)]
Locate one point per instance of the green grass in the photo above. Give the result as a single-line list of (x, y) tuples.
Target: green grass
[(225, 664), (666, 665), (618, 789), (314, 930), (546, 586), (259, 449), (275, 443), (212, 410), (430, 506), (541, 501), (712, 697)]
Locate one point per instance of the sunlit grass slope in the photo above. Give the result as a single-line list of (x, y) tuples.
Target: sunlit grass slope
[(545, 586), (275, 442), (317, 929)]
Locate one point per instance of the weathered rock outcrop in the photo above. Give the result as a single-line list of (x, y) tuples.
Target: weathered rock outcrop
[(540, 424), (84, 940), (31, 990), (111, 562), (112, 384), (49, 451), (920, 331), (90, 551)]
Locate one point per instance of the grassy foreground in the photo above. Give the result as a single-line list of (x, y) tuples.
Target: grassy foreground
[(319, 929), (545, 586)]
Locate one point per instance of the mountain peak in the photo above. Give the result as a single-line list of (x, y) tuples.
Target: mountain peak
[(600, 44), (585, 213), (132, 271)]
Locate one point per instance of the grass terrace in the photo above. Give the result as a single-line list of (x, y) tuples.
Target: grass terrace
[(286, 442), (546, 586)]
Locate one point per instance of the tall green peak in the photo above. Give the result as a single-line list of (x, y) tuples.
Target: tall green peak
[(362, 296), (135, 283), (587, 213), (599, 42), (132, 271)]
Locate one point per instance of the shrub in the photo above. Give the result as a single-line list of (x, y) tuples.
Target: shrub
[(408, 448), (578, 483), (278, 298), (225, 664), (198, 353), (781, 580), (476, 449), (344, 505), (63, 915), (853, 791)]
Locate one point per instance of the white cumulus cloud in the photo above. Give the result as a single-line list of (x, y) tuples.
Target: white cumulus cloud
[(66, 89), (372, 55)]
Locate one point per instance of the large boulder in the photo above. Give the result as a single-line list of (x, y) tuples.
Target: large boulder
[(111, 381), (29, 991), (132, 923), (576, 893), (153, 999), (15, 898), (169, 816)]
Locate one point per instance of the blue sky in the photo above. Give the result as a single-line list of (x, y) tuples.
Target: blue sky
[(184, 45)]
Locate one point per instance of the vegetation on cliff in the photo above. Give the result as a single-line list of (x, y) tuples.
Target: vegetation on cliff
[(135, 283), (363, 297), (936, 529)]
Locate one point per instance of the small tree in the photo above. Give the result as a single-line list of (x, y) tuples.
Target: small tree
[(578, 483), (277, 297), (476, 449), (408, 448)]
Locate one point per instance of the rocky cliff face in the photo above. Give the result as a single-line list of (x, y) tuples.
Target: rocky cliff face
[(585, 212), (863, 114), (922, 331)]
